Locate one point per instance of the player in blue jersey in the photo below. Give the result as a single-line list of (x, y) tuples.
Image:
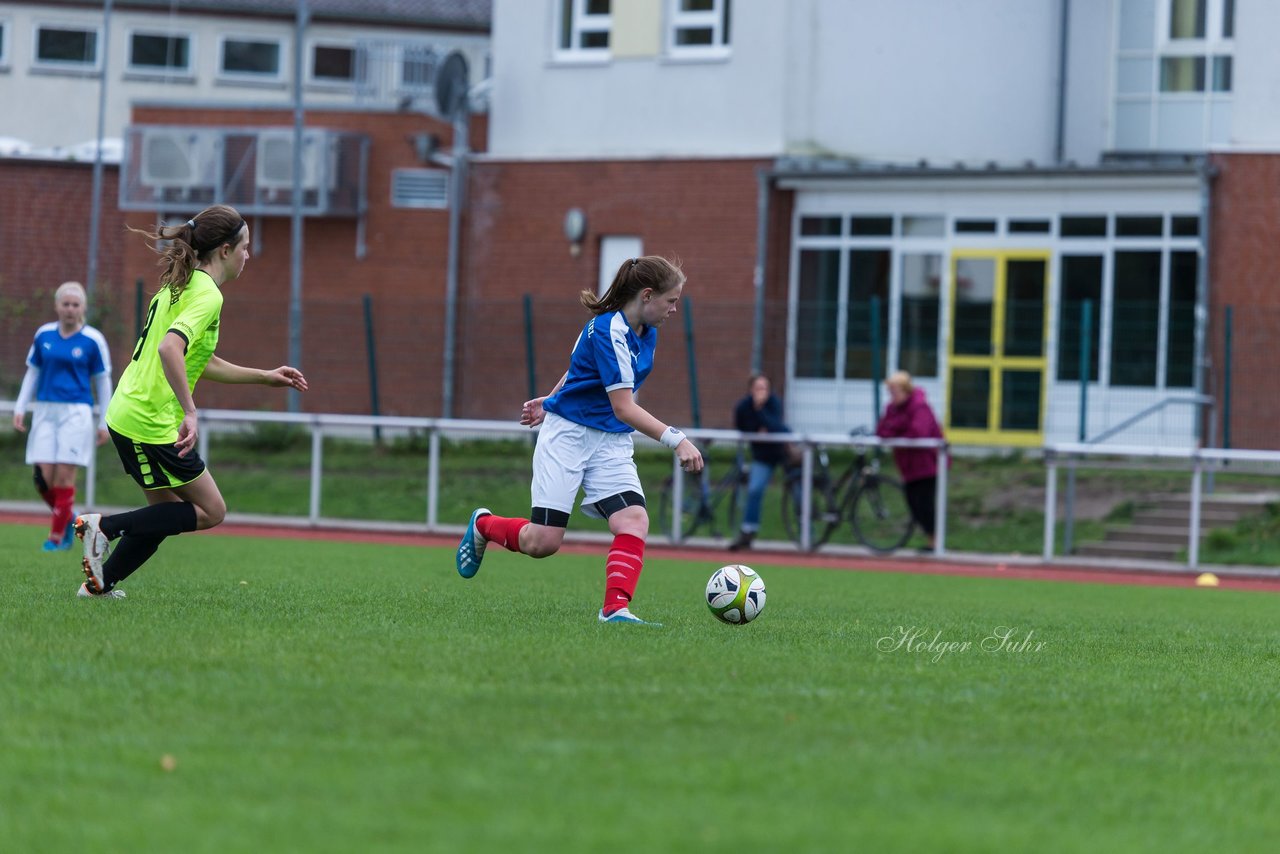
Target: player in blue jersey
[(585, 441), (67, 364)]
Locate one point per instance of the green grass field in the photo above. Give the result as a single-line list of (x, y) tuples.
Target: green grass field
[(319, 696)]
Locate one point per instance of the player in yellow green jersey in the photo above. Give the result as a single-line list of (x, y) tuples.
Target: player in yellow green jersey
[(152, 416)]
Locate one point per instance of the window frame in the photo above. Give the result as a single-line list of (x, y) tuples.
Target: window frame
[(64, 65), (160, 71), (718, 19), (580, 22), (6, 27), (251, 77), (359, 75)]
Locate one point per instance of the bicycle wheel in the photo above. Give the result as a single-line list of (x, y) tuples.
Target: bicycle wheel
[(694, 510), (822, 522), (881, 517)]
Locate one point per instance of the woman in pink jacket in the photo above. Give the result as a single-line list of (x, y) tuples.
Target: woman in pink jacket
[(908, 416)]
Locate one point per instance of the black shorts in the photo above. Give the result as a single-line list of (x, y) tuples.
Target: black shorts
[(156, 466)]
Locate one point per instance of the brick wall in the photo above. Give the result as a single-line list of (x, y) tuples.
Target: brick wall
[(1244, 272), (703, 212)]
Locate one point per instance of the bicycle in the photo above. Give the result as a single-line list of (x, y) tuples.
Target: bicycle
[(702, 499), (874, 504)]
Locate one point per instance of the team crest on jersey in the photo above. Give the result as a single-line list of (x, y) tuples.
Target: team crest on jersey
[(76, 352)]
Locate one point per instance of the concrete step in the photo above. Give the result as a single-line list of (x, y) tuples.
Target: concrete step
[(1130, 550), (1168, 518), (1152, 534)]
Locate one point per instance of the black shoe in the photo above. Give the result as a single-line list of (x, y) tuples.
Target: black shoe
[(743, 541)]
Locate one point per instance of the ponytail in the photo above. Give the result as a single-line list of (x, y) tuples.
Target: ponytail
[(635, 274), (192, 242)]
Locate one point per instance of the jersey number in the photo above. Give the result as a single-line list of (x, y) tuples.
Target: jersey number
[(151, 315)]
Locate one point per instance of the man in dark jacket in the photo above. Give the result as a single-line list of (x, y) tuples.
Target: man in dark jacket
[(759, 412), (908, 416)]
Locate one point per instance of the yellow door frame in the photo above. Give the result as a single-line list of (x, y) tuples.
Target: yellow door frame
[(997, 362)]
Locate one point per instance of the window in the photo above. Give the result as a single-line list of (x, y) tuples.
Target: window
[(418, 65), (867, 314), (4, 43), (66, 47), (921, 286), (1174, 74), (336, 63), (1081, 281), (159, 52), (1136, 323), (584, 28), (699, 26), (249, 58), (1179, 363), (817, 327)]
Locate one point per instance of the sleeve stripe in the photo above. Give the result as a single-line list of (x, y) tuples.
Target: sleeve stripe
[(621, 351)]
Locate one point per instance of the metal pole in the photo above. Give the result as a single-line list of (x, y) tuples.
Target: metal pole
[(457, 190), (677, 500), (1226, 378), (1060, 126), (295, 243), (1050, 504), (95, 204), (433, 478), (1069, 511), (372, 350), (806, 498), (695, 411), (1193, 542), (530, 357), (757, 276), (940, 505), (317, 469)]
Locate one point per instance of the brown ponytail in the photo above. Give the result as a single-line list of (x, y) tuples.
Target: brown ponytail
[(192, 242), (635, 274)]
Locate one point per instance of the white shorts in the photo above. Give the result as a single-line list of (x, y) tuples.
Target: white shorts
[(61, 433), (569, 456)]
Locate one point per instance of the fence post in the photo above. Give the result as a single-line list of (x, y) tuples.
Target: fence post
[(433, 478), (528, 347), (940, 501), (695, 412), (1086, 364), (677, 500), (806, 498), (372, 351), (1193, 541), (1226, 379), (1050, 502), (317, 457)]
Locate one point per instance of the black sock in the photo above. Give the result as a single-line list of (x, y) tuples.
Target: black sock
[(130, 553), (155, 520), (42, 485)]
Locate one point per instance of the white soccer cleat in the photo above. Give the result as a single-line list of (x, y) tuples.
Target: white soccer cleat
[(622, 615), (96, 549), (110, 594)]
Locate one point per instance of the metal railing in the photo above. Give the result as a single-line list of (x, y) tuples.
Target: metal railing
[(319, 425), (1198, 460)]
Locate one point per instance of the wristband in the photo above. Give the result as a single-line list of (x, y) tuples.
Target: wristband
[(672, 438)]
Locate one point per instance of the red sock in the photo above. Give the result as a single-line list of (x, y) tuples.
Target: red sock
[(501, 530), (64, 498), (622, 571)]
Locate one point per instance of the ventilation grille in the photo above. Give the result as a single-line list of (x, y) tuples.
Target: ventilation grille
[(419, 188)]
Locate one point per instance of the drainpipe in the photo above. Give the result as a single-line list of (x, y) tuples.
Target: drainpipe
[(1060, 132), (765, 180)]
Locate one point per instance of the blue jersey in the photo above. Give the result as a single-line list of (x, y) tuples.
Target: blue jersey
[(607, 355), (66, 364)]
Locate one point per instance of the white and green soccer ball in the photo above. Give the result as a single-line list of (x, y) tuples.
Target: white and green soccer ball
[(735, 594)]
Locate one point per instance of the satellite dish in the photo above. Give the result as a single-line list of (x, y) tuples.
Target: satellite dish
[(452, 83)]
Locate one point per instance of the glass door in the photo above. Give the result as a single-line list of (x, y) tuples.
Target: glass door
[(996, 354)]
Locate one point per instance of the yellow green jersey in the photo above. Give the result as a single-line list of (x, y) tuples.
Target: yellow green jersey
[(144, 407)]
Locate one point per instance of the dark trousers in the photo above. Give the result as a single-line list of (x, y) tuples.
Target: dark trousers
[(922, 498)]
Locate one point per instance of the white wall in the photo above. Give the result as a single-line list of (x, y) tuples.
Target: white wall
[(974, 81), (637, 106), (27, 96), (1255, 117)]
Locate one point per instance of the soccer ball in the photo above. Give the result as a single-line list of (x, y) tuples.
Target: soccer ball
[(735, 594)]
